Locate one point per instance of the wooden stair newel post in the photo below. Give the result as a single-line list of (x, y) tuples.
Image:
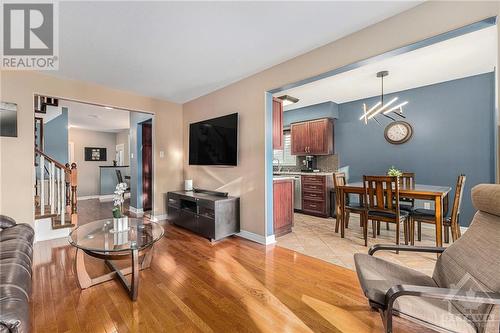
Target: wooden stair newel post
[(67, 180), (74, 181)]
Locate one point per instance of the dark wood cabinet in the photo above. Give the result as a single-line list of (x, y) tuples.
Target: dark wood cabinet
[(207, 215), (277, 123), (313, 137), (299, 137), (283, 206), (315, 199)]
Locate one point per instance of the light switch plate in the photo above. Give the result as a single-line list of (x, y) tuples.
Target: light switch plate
[(162, 154)]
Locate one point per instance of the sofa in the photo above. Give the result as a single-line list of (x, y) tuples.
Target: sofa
[(16, 255)]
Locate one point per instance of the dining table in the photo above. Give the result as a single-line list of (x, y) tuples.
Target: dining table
[(437, 194)]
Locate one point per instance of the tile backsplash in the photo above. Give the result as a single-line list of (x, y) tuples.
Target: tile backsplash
[(328, 163)]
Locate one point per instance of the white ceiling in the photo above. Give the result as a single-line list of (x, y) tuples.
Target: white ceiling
[(182, 50), (466, 55), (96, 118)]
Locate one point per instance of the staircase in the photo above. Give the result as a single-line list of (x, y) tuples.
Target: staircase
[(55, 191)]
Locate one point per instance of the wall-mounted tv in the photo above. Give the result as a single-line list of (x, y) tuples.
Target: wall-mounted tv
[(214, 141)]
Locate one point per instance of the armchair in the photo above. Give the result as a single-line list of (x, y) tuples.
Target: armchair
[(463, 295)]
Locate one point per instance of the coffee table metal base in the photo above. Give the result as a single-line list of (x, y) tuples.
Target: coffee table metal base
[(132, 287)]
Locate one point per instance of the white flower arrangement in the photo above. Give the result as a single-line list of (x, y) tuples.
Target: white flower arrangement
[(118, 200)]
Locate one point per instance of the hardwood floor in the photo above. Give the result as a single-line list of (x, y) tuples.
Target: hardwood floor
[(194, 286)]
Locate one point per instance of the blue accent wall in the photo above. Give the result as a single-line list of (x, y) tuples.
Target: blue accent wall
[(454, 132), (55, 136), (322, 110)]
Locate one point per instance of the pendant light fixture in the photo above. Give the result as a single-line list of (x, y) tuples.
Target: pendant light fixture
[(382, 108)]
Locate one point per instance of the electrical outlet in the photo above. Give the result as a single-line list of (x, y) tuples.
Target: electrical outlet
[(427, 205)]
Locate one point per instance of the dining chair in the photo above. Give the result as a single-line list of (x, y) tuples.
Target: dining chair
[(407, 180), (339, 180), (421, 215), (382, 205)]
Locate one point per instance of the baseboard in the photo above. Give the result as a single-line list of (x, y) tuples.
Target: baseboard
[(265, 240), (135, 210), (88, 197), (158, 217)]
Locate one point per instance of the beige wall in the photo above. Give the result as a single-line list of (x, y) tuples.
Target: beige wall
[(122, 138), (16, 154), (247, 96), (89, 171)]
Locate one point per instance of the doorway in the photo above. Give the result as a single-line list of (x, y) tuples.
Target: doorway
[(147, 166)]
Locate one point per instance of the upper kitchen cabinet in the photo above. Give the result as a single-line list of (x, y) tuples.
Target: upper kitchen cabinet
[(313, 137), (277, 123)]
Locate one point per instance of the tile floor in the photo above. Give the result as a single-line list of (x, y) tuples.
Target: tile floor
[(316, 237)]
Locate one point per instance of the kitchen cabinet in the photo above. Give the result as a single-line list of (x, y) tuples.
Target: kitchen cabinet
[(313, 137), (315, 190), (283, 190), (277, 123)]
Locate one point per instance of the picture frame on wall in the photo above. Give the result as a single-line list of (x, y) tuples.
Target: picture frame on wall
[(8, 119), (95, 154)]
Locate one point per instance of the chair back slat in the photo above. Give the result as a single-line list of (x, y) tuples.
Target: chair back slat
[(381, 193), (407, 179), (457, 199), (339, 180)]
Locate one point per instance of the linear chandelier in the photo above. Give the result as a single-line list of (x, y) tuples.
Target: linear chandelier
[(381, 108)]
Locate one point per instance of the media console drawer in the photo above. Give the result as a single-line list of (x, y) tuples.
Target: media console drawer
[(207, 215)]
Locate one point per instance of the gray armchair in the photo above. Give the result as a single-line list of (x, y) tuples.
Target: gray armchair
[(463, 295)]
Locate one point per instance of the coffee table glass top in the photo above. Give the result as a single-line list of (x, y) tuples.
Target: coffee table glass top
[(99, 236)]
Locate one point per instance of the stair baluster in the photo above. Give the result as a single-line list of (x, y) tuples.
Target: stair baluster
[(55, 191), (42, 185)]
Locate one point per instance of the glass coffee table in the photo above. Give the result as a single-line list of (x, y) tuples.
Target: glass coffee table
[(99, 240)]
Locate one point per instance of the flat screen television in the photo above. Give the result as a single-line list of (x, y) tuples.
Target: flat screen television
[(214, 141)]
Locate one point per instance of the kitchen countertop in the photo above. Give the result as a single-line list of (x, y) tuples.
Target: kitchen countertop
[(293, 173), (282, 177)]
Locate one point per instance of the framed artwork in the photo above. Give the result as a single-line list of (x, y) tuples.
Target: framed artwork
[(95, 154), (8, 119)]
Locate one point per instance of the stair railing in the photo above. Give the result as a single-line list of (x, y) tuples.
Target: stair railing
[(56, 188)]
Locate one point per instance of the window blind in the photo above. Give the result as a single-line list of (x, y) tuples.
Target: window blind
[(285, 156)]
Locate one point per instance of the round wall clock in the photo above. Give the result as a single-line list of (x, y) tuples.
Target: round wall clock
[(398, 132)]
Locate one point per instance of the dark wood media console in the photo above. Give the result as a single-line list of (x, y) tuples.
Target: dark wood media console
[(213, 217)]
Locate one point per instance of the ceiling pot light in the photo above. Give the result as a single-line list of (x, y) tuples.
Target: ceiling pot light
[(381, 108), (288, 100), (108, 108)]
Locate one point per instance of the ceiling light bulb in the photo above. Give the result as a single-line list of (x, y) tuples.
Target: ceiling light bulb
[(396, 107), (369, 111), (382, 108)]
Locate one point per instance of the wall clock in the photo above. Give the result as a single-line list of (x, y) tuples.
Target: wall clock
[(398, 132)]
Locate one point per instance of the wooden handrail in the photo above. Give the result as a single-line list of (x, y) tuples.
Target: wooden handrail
[(50, 159)]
